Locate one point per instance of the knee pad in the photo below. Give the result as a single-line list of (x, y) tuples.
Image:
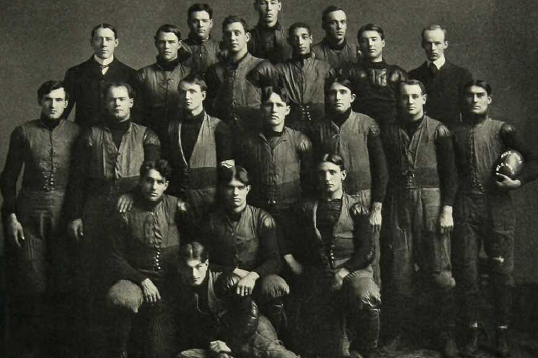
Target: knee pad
[(273, 286), (443, 280)]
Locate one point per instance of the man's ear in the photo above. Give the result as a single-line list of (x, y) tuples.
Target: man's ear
[(353, 97), (344, 174), (248, 188)]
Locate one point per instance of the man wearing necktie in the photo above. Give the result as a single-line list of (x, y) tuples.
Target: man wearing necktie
[(85, 82), (444, 80)]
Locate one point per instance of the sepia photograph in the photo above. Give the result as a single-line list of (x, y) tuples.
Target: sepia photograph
[(268, 179)]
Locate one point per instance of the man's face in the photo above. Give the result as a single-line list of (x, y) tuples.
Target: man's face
[(275, 110), (118, 103), (153, 185), (340, 97), (193, 272), (235, 194), (191, 95), (235, 37), (330, 177), (167, 45), (200, 24), (301, 41), (372, 45), (336, 25), (53, 104), (104, 42), (434, 44), (477, 100), (412, 101), (268, 10)]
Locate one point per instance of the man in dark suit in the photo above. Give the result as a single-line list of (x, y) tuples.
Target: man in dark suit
[(85, 82), (444, 80)]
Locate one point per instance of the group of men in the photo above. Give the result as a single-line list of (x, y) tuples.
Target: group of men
[(235, 194)]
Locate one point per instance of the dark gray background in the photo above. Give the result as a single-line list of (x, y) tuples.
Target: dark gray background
[(494, 39)]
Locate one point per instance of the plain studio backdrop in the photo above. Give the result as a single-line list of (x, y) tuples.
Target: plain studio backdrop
[(494, 39)]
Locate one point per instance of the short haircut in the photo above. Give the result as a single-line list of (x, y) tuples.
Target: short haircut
[(130, 91), (299, 25), (161, 165), (48, 87), (371, 27), (195, 78), (105, 26), (280, 91), (192, 251), (168, 28), (333, 158), (327, 11), (412, 83), (340, 79), (433, 27), (200, 7), (233, 19), (227, 173), (478, 83)]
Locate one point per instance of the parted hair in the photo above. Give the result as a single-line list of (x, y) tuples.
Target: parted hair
[(48, 87), (195, 78), (227, 173), (168, 28), (192, 251), (280, 91), (479, 83), (333, 158), (104, 25), (130, 91), (327, 11), (371, 27), (431, 28), (412, 83)]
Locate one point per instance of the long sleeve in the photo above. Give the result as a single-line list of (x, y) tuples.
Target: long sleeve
[(263, 75), (271, 262), (513, 140), (378, 165), (70, 83), (76, 190), (152, 146), (446, 166), (306, 153), (224, 142), (363, 242), (12, 170), (120, 267), (213, 88)]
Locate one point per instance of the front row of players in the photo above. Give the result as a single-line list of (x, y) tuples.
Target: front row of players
[(329, 246)]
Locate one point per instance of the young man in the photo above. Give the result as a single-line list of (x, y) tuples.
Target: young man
[(356, 138), (268, 38), (374, 81), (303, 77), (333, 252), (444, 80), (196, 145), (84, 83), (334, 47), (484, 212), (279, 160), (199, 51), (213, 319), (234, 90), (157, 85), (242, 239), (39, 266), (418, 219), (108, 163), (144, 245)]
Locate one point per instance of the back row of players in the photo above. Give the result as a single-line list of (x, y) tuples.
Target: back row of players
[(269, 125)]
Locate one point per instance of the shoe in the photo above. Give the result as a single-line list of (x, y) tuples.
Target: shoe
[(449, 348), (501, 344), (471, 348)]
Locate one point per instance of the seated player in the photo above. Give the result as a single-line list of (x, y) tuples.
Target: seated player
[(333, 253), (213, 320), (143, 260)]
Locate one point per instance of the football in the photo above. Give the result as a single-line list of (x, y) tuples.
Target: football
[(510, 163)]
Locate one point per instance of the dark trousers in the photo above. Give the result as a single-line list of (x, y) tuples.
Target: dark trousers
[(483, 219)]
